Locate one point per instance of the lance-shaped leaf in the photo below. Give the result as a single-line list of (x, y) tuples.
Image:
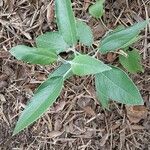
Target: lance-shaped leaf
[(116, 85), (53, 41), (84, 32), (132, 62), (44, 97), (85, 65), (97, 10), (66, 21), (120, 38), (33, 55), (63, 70)]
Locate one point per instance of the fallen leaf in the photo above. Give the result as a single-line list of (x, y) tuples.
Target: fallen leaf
[(50, 13), (2, 98), (4, 54), (89, 111), (57, 124), (111, 57), (86, 4), (3, 77), (136, 113), (98, 31), (104, 139), (54, 134), (60, 106), (137, 127)]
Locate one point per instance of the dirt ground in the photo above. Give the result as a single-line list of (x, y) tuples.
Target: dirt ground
[(76, 121)]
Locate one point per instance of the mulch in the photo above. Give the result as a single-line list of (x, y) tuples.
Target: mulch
[(76, 121)]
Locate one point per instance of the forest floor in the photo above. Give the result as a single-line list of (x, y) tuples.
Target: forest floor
[(76, 121)]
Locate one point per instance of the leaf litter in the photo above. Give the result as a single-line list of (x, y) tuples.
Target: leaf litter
[(70, 124)]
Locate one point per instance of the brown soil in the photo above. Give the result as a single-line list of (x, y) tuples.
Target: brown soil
[(76, 121)]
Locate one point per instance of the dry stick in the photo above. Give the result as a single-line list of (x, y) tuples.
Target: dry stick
[(117, 20), (136, 144)]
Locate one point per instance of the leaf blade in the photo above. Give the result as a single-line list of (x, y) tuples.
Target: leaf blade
[(85, 65), (96, 10), (66, 21), (116, 85), (120, 38), (53, 41), (37, 107), (61, 71), (132, 62), (84, 32), (33, 55)]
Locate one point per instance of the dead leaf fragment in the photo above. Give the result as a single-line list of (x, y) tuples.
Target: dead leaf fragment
[(60, 106), (54, 134), (136, 113), (89, 111), (86, 4), (2, 98), (50, 13), (137, 127), (111, 57), (104, 139)]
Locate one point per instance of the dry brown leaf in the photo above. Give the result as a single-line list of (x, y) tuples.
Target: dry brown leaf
[(2, 98), (137, 127), (4, 54), (1, 3), (111, 57), (86, 4), (60, 106), (104, 139), (57, 124), (3, 84), (50, 13), (89, 111), (54, 134), (98, 31), (3, 77), (136, 113)]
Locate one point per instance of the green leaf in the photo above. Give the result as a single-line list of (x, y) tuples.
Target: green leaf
[(126, 45), (66, 21), (85, 65), (103, 99), (53, 41), (132, 62), (33, 55), (44, 97), (119, 39), (85, 34), (63, 70), (116, 85), (118, 28), (96, 10)]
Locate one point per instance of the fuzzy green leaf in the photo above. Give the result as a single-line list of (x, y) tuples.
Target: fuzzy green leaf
[(120, 38), (116, 85), (85, 65), (53, 41), (33, 55), (97, 9), (44, 97), (84, 32), (63, 70), (132, 62), (66, 21)]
